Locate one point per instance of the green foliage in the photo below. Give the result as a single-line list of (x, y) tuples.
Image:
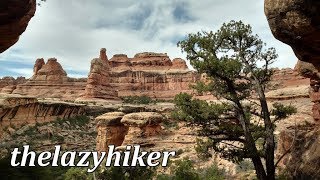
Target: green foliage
[(281, 111), (213, 173), (74, 121), (236, 63), (29, 173), (77, 174), (245, 166), (202, 148), (195, 110), (126, 173), (137, 99), (171, 123), (181, 170), (184, 170)]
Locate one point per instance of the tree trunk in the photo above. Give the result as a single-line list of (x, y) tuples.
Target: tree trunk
[(270, 145), (250, 143)]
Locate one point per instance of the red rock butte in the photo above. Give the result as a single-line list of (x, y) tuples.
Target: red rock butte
[(148, 73)]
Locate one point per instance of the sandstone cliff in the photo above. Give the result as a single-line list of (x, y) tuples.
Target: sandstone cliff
[(8, 84), (51, 81), (17, 110), (150, 74), (296, 23), (98, 84), (14, 18)]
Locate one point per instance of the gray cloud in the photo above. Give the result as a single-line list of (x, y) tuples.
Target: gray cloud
[(73, 31)]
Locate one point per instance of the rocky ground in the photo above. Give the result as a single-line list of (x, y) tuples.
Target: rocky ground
[(80, 133)]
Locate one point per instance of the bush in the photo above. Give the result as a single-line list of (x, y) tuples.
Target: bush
[(202, 148), (126, 173), (184, 170), (75, 121), (77, 174), (137, 99)]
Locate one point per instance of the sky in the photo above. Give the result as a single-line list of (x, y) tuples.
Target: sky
[(74, 31)]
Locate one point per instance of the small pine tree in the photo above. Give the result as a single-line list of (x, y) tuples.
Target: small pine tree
[(238, 68)]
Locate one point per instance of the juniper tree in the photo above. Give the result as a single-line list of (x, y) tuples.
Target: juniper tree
[(237, 65)]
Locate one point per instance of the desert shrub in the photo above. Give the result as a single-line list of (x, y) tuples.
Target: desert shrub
[(74, 121), (127, 173), (184, 170), (245, 166), (137, 99), (202, 148), (77, 174), (170, 123), (212, 173)]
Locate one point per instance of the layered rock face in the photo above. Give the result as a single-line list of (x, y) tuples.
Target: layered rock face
[(296, 23), (287, 78), (8, 84), (302, 161), (150, 74), (110, 130), (14, 18), (51, 81), (119, 129), (141, 126), (98, 84), (16, 110)]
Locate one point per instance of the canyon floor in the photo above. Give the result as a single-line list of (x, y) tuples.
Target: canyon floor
[(80, 133)]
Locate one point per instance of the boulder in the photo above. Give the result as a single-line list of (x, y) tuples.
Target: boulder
[(142, 127), (110, 130), (296, 23), (302, 146)]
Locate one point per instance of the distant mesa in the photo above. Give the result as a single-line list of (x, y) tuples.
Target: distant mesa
[(148, 73)]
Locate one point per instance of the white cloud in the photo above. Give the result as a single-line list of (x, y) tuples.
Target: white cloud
[(25, 72), (73, 31)]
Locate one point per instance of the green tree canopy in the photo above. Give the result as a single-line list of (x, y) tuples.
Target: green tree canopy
[(237, 65)]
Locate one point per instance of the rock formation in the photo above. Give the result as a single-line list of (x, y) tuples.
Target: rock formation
[(17, 110), (141, 126), (302, 161), (119, 129), (296, 23), (98, 84), (38, 65), (51, 81), (110, 130), (150, 74), (8, 84), (14, 18)]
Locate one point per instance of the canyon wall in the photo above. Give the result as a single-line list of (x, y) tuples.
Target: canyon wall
[(296, 23), (150, 74), (98, 83), (17, 110), (14, 18)]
